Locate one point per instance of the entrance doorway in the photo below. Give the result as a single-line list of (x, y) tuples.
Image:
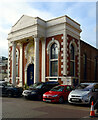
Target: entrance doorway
[(30, 74)]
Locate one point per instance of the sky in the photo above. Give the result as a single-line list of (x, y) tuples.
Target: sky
[(82, 12)]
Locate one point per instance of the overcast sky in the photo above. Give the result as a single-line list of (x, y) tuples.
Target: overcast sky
[(82, 12)]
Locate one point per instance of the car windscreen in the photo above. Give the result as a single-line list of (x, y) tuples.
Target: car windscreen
[(84, 87), (88, 88), (36, 86), (58, 88)]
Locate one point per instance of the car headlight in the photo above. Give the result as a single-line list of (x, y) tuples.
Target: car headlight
[(33, 92), (85, 96), (44, 95), (54, 95)]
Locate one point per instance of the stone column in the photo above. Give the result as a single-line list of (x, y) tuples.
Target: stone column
[(36, 60), (21, 64), (14, 63), (43, 59)]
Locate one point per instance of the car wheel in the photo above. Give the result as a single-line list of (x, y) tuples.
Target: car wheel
[(39, 97), (61, 100), (9, 94)]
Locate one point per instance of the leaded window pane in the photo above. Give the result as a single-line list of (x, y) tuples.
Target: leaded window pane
[(72, 53), (54, 51), (54, 68), (72, 68), (72, 61)]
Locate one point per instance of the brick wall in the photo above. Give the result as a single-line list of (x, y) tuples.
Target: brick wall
[(91, 53)]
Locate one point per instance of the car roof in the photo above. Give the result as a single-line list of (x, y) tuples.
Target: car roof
[(64, 85), (49, 82), (88, 83), (2, 82)]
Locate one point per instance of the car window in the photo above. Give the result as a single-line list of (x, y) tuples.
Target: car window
[(81, 86), (96, 88), (36, 85), (58, 88)]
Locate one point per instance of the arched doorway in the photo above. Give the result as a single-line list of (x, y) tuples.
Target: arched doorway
[(30, 74)]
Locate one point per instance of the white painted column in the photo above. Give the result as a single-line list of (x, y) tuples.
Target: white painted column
[(43, 60), (21, 65), (14, 63), (36, 60)]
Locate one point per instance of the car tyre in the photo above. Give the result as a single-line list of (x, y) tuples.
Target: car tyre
[(61, 100), (39, 97)]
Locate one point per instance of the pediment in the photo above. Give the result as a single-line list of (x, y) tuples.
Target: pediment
[(23, 22)]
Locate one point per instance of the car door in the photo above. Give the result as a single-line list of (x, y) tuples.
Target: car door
[(4, 89), (66, 92)]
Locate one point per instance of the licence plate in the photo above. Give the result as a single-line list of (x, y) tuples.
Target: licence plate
[(75, 99), (48, 100)]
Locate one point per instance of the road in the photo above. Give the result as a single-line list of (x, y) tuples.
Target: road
[(22, 108)]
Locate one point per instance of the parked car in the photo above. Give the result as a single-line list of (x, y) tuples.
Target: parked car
[(57, 94), (9, 90), (37, 90), (85, 93)]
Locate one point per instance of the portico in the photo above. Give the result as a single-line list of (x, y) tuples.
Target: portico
[(25, 37)]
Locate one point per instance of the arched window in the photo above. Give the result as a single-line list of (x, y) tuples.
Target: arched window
[(85, 65), (72, 60), (54, 60)]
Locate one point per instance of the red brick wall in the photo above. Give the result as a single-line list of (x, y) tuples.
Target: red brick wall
[(91, 53), (70, 38), (24, 61)]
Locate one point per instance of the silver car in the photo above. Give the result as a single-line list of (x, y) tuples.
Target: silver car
[(85, 93)]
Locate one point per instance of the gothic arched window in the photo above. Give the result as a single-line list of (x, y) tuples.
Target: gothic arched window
[(54, 60), (72, 60)]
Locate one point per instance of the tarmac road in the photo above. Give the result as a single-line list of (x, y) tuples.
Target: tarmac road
[(22, 108)]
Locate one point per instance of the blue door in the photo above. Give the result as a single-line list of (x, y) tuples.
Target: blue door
[(30, 74)]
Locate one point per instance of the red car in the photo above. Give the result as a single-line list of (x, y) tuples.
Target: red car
[(57, 94)]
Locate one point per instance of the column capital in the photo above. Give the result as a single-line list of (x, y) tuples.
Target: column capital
[(20, 44), (37, 36), (36, 39), (13, 43)]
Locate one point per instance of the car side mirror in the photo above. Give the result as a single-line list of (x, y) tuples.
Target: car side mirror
[(44, 87), (3, 86), (94, 90)]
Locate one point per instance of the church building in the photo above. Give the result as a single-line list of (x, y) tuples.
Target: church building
[(50, 50)]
